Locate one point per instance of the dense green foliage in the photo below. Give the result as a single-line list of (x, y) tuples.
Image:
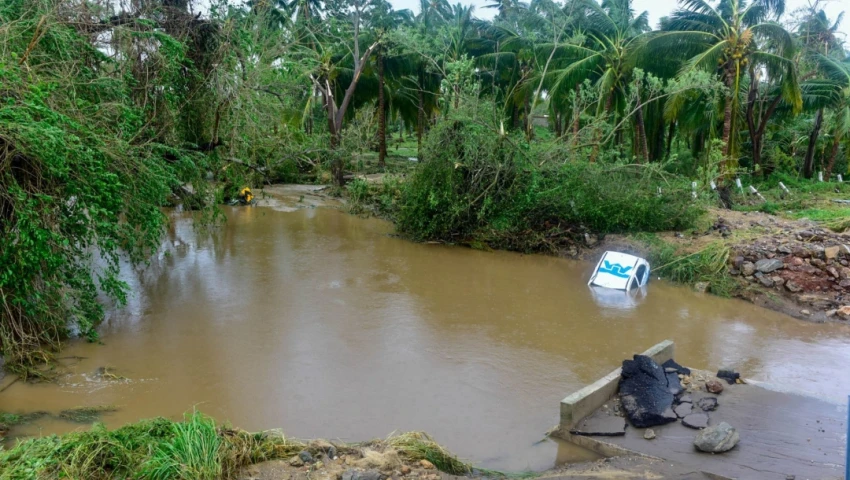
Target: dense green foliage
[(494, 187)]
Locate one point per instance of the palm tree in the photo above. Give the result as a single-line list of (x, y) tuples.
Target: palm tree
[(818, 36), (729, 40), (383, 19), (613, 36), (837, 95)]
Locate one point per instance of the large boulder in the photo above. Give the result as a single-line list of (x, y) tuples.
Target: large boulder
[(717, 439), (645, 393)]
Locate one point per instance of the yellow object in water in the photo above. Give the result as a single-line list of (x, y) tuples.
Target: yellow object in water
[(245, 195)]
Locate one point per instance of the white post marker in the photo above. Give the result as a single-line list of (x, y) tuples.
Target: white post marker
[(740, 186), (713, 185), (756, 192), (840, 179), (694, 189), (784, 188), (659, 191), (820, 176)]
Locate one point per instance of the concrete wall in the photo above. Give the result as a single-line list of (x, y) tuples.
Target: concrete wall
[(585, 401)]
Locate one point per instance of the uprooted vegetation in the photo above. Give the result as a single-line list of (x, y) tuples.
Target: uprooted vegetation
[(199, 449), (477, 186)]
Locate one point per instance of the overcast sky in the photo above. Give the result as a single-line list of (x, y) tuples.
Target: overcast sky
[(656, 8)]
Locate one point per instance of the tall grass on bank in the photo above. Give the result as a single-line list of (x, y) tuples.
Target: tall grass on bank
[(708, 264), (193, 449)]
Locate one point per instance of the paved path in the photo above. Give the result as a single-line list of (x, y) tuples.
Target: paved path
[(782, 435)]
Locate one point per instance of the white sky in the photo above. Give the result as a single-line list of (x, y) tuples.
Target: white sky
[(656, 8)]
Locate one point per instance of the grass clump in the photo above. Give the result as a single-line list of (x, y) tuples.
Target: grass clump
[(708, 264), (415, 446), (86, 414), (193, 449)]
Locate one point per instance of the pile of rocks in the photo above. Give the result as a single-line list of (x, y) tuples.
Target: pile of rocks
[(653, 395), (813, 269)]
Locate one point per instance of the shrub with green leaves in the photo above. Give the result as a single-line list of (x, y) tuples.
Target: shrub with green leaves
[(84, 170), (476, 184)]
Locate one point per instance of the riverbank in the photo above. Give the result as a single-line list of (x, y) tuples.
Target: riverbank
[(790, 254), (198, 448)]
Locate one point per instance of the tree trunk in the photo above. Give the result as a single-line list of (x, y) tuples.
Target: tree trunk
[(382, 112), (420, 119), (836, 142), (670, 134), (727, 133), (809, 162), (641, 134)]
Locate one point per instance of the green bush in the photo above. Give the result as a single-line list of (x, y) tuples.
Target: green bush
[(478, 185)]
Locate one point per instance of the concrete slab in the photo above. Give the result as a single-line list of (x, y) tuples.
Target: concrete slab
[(782, 435), (601, 424)]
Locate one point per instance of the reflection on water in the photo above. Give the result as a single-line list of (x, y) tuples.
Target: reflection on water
[(324, 325)]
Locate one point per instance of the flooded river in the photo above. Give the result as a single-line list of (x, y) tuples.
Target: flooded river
[(325, 325)]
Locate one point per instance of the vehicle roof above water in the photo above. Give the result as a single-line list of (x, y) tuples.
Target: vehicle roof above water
[(616, 270)]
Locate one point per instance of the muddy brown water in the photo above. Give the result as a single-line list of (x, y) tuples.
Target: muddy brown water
[(325, 325)]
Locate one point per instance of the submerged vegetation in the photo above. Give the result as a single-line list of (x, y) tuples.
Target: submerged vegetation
[(193, 449)]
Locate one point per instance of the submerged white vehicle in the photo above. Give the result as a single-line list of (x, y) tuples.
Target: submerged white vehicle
[(620, 271)]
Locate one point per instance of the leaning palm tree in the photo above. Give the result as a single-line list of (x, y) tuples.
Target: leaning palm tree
[(727, 40)]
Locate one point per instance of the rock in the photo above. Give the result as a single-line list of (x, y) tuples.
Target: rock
[(426, 464), (793, 286), (831, 313), (707, 404), (696, 420), (832, 272), (767, 265), (748, 269), (405, 469), (296, 461), (305, 456), (649, 434), (717, 439), (645, 393), (844, 312), (797, 261), (352, 474), (714, 386), (805, 312), (778, 281), (844, 273), (784, 249), (831, 253), (766, 281), (701, 287), (844, 283), (802, 252), (683, 410), (685, 399), (738, 261), (728, 374)]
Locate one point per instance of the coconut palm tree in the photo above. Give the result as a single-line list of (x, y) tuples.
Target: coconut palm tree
[(729, 40), (607, 55), (819, 38)]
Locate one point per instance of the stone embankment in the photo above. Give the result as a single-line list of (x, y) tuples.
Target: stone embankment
[(808, 268)]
